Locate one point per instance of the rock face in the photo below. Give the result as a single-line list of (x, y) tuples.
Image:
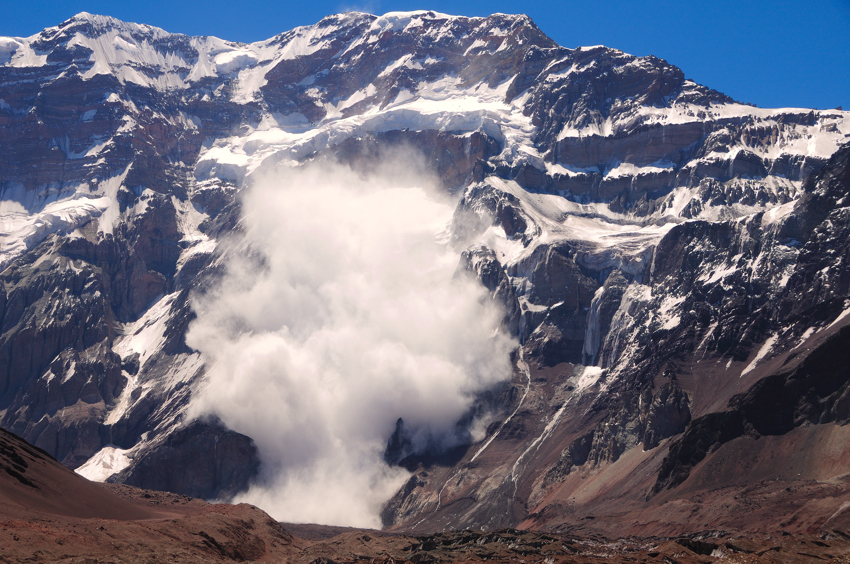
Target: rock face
[(659, 249), (202, 459), (813, 392), (733, 331)]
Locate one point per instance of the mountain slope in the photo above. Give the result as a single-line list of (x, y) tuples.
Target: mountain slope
[(51, 513), (736, 333), (656, 246), (96, 523)]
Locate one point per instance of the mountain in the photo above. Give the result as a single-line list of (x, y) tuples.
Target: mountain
[(669, 261)]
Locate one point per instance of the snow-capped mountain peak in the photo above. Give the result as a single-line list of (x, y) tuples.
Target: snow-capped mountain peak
[(606, 203)]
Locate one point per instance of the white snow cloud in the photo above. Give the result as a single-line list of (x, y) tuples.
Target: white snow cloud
[(339, 313)]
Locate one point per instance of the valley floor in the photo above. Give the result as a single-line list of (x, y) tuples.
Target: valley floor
[(50, 514), (164, 527)]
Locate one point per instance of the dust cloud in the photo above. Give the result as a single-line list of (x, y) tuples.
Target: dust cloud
[(338, 313)]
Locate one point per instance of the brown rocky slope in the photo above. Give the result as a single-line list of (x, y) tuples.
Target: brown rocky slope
[(49, 514)]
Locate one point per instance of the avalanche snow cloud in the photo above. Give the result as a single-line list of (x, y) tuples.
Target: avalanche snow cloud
[(338, 313)]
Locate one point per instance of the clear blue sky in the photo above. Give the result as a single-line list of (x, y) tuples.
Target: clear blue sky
[(774, 53)]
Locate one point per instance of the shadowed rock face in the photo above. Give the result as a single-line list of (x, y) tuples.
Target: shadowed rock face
[(564, 291), (203, 460), (657, 248), (814, 392)]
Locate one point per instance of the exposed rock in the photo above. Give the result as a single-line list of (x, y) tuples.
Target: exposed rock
[(201, 459), (483, 264), (659, 414), (814, 392), (565, 292), (603, 307)]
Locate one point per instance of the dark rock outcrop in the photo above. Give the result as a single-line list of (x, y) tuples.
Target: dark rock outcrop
[(657, 415), (201, 459)]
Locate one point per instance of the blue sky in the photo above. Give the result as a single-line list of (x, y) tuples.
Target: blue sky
[(777, 53)]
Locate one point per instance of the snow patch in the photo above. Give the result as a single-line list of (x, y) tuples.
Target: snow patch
[(106, 462), (840, 318), (397, 21), (27, 217), (668, 319), (763, 352), (146, 335)]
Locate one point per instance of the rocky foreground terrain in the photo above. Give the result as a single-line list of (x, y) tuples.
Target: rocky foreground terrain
[(670, 264), (49, 514)]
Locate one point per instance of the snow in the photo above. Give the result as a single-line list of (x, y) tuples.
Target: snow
[(446, 103), (16, 52), (476, 46), (588, 377), (189, 219), (708, 334), (567, 170), (27, 217), (305, 41), (226, 163), (443, 105), (559, 75), (8, 48), (819, 140), (805, 337), (112, 210), (629, 169), (718, 274), (668, 305), (118, 52), (405, 62), (125, 49), (592, 336), (397, 21), (636, 296), (72, 369), (358, 96), (778, 213), (594, 224), (147, 335), (106, 462), (124, 401), (840, 318), (762, 353)]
